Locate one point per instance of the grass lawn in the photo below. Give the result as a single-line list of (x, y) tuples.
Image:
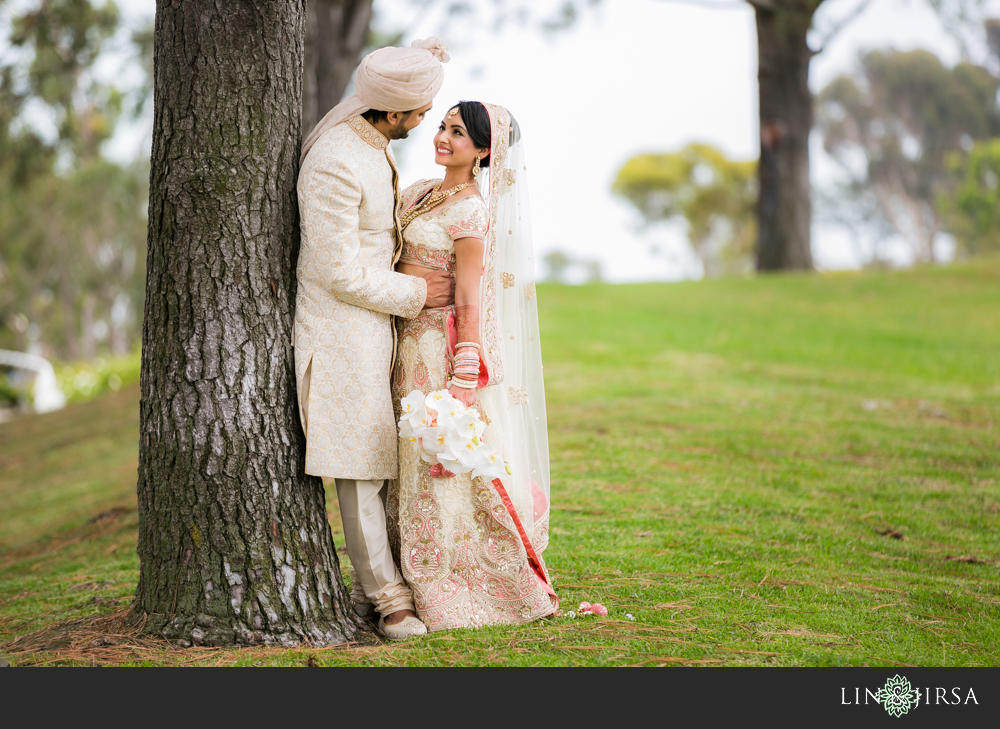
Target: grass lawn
[(788, 470)]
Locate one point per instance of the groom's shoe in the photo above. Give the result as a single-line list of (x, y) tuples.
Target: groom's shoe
[(406, 628)]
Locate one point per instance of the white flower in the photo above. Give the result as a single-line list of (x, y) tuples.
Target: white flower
[(446, 407), (411, 404), (453, 464), (630, 616), (468, 425), (489, 464), (571, 615), (462, 448), (432, 439)]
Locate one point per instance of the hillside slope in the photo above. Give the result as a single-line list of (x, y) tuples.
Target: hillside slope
[(798, 470)]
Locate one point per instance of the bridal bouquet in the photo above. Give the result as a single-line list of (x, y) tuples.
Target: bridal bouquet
[(449, 436)]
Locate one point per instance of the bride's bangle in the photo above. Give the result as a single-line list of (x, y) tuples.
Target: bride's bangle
[(467, 344), (465, 385)]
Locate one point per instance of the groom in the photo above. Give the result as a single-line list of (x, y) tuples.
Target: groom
[(347, 297)]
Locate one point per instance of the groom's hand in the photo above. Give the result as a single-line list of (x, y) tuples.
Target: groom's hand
[(440, 289)]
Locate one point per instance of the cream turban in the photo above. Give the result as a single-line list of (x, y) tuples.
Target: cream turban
[(389, 79)]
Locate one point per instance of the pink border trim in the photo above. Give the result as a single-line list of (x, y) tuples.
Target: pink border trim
[(533, 560)]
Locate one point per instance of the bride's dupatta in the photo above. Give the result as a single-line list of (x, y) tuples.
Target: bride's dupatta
[(514, 397)]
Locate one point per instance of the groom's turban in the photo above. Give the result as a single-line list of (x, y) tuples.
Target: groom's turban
[(389, 79)]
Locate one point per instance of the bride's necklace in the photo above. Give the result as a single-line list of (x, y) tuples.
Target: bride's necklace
[(432, 200)]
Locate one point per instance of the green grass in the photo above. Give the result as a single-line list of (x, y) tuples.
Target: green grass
[(729, 460)]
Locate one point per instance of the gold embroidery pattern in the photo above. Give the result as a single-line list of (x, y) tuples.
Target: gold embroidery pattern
[(518, 395), (413, 193), (422, 255), (510, 177), (367, 132), (500, 127), (471, 227), (346, 336), (453, 539), (508, 280), (476, 221), (529, 291), (427, 320)]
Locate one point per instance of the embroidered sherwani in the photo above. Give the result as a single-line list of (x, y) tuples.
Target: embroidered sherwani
[(347, 297)]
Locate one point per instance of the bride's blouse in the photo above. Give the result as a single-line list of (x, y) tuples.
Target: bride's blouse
[(429, 240)]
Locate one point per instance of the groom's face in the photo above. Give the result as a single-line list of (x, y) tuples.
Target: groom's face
[(406, 121)]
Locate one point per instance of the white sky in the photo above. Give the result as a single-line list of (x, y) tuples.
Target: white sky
[(633, 76)]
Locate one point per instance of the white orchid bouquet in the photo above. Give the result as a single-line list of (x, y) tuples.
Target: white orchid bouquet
[(449, 436)]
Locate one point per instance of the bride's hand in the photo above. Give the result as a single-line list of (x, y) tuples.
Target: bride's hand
[(465, 396)]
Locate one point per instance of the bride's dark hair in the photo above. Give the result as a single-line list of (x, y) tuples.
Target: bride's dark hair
[(477, 121)]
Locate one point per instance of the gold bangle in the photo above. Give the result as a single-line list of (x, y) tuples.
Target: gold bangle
[(467, 344)]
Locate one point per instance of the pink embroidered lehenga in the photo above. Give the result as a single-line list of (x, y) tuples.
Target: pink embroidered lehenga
[(471, 550)]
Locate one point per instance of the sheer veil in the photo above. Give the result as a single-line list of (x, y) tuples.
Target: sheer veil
[(514, 398)]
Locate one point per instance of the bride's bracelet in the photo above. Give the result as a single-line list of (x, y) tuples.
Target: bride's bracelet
[(464, 384), (467, 364), (467, 344)]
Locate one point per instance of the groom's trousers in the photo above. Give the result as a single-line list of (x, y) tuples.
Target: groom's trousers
[(362, 510)]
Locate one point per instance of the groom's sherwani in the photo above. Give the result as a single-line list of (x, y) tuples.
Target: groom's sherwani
[(347, 295)]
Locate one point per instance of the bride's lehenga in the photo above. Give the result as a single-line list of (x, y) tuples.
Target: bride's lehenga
[(470, 549)]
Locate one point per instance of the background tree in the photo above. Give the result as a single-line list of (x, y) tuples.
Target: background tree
[(972, 210), (563, 268), (894, 127), (234, 542), (784, 206), (714, 195), (70, 220), (340, 32), (337, 32)]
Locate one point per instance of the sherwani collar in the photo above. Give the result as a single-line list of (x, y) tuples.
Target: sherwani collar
[(367, 132)]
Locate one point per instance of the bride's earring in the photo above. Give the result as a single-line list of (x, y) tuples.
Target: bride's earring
[(475, 167)]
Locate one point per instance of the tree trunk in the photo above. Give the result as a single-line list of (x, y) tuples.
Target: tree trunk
[(234, 542), (784, 208), (87, 346), (336, 35)]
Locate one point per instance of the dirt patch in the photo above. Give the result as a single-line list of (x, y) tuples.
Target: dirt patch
[(118, 638)]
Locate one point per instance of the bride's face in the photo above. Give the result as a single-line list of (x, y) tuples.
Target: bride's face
[(453, 147)]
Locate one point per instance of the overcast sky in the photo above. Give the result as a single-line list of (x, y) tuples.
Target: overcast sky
[(633, 76)]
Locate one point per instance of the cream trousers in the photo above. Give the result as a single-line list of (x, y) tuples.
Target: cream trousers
[(374, 574), (362, 510)]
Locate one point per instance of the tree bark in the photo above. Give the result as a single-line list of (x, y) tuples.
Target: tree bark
[(234, 542), (784, 208), (336, 34)]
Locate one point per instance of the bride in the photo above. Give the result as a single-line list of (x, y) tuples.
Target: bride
[(469, 548)]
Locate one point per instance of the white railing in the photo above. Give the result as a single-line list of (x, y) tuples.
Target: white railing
[(48, 396)]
